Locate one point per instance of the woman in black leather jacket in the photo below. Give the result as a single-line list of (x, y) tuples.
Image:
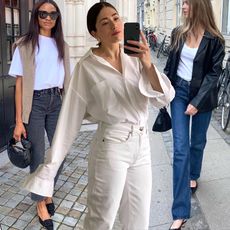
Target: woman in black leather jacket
[(193, 66)]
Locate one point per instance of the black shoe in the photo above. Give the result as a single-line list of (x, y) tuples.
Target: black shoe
[(47, 224), (179, 228), (193, 189), (50, 208)]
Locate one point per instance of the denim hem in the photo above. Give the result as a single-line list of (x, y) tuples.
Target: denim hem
[(178, 218)]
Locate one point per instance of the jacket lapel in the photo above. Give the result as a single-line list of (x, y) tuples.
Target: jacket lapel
[(205, 40)]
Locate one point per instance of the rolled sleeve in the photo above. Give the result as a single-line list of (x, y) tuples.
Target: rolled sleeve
[(158, 99)]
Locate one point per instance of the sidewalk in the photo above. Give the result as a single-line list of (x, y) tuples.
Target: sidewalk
[(210, 205)]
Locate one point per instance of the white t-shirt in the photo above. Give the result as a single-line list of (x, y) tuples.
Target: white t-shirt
[(49, 70), (185, 66)]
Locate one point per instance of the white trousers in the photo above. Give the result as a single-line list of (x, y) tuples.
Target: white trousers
[(120, 177)]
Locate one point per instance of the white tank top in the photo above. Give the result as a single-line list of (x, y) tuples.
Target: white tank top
[(185, 66)]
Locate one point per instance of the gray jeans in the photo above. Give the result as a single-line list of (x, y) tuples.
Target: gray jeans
[(43, 117)]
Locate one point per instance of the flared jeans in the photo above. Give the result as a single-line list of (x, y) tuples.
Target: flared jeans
[(189, 140)]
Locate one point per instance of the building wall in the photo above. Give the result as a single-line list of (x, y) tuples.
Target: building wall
[(74, 21), (168, 13)]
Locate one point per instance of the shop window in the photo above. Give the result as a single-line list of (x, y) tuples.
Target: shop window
[(226, 18)]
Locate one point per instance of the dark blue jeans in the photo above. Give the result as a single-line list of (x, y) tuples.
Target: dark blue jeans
[(43, 117), (188, 143)]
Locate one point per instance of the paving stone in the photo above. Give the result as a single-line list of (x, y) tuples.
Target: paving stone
[(4, 227), (75, 214), (70, 221), (66, 204), (79, 207), (23, 206), (3, 201), (20, 224), (65, 227), (60, 194), (70, 197), (62, 210), (8, 221), (58, 217), (1, 217), (4, 210), (26, 216), (16, 213)]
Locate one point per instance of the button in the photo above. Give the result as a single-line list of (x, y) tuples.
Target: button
[(141, 128)]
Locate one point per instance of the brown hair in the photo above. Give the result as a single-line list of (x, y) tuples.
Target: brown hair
[(200, 14)]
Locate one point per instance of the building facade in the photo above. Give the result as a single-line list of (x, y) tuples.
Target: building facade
[(14, 20), (164, 15)]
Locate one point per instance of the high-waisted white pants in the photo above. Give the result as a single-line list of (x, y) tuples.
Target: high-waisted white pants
[(120, 177)]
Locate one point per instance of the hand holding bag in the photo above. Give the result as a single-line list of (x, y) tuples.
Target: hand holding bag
[(163, 121)]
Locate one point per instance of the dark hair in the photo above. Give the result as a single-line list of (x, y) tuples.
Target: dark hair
[(56, 32), (93, 13)]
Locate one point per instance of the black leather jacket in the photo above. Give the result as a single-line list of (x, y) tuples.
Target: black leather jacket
[(207, 67)]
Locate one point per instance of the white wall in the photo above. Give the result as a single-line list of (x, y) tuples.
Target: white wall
[(74, 14)]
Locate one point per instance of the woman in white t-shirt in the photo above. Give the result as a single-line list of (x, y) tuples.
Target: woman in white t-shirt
[(41, 66), (114, 89)]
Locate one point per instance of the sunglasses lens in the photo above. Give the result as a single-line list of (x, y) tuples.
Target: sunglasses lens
[(43, 15), (54, 15)]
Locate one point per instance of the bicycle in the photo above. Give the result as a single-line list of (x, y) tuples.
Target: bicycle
[(224, 95), (164, 47)]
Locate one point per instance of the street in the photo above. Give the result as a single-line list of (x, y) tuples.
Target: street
[(210, 204)]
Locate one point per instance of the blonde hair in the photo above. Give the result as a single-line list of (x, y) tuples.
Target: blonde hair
[(200, 15)]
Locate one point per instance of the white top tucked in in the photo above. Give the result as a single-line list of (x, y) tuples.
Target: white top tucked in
[(49, 71), (185, 66)]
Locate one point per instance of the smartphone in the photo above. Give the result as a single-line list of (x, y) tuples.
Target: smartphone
[(131, 32)]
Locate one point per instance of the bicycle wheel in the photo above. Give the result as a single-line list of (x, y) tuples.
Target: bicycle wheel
[(166, 50), (160, 50), (221, 86), (225, 112)]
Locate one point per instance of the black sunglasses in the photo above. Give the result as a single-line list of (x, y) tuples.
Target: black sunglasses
[(44, 14)]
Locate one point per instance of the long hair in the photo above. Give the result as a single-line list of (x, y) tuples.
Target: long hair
[(33, 33), (200, 14)]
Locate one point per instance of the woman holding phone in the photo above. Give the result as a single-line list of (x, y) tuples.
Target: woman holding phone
[(41, 66), (114, 89)]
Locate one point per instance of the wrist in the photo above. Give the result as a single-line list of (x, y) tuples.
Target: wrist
[(19, 122)]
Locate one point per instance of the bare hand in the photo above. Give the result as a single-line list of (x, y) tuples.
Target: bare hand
[(19, 130), (191, 110), (142, 52)]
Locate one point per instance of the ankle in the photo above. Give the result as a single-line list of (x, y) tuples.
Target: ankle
[(42, 210), (177, 223)]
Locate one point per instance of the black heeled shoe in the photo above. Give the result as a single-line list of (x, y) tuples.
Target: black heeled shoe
[(47, 224), (179, 228), (50, 208), (193, 189)]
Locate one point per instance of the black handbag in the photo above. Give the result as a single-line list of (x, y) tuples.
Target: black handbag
[(163, 121), (19, 153)]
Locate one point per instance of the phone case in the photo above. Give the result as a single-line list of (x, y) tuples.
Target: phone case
[(131, 32)]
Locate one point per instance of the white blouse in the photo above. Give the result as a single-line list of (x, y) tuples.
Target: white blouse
[(99, 92)]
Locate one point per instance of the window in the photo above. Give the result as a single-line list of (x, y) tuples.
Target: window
[(226, 18), (12, 20)]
